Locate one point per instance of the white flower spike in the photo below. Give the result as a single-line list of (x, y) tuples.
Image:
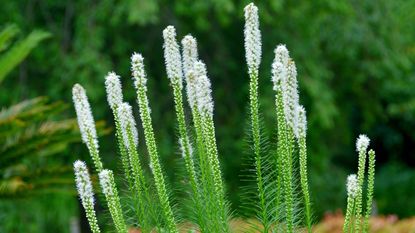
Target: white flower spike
[(291, 94), (281, 54), (189, 53), (252, 38), (114, 90), (301, 122), (352, 186), (128, 124), (362, 143), (172, 56), (137, 69), (83, 182), (84, 115), (203, 90), (105, 182)]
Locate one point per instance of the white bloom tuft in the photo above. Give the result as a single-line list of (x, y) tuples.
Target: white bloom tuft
[(84, 115), (172, 56), (198, 70), (362, 143), (290, 94), (189, 53), (83, 183), (137, 69), (300, 122), (202, 90), (281, 54), (284, 78), (252, 38), (127, 123), (279, 72), (106, 181), (352, 186), (114, 90)]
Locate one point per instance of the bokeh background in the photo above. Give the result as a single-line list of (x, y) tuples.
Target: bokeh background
[(355, 61)]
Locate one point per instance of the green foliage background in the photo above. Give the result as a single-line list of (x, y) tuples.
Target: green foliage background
[(355, 61)]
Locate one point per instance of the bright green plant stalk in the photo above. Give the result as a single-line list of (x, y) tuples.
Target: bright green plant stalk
[(286, 162), (201, 97), (86, 124), (115, 98), (285, 135), (174, 72), (301, 136), (86, 194), (361, 146), (211, 147), (349, 214), (370, 187), (192, 69), (139, 82), (129, 136), (122, 149), (106, 179), (352, 187), (253, 57)]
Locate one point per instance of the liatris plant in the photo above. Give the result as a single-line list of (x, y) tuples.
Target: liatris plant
[(354, 221), (280, 205)]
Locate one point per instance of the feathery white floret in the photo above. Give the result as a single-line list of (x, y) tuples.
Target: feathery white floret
[(114, 90), (352, 186), (204, 95), (284, 77), (172, 56), (83, 183), (84, 115), (301, 122), (279, 72), (281, 54), (189, 53), (105, 180), (127, 123), (290, 94), (137, 70), (198, 70), (202, 89), (362, 143), (252, 38)]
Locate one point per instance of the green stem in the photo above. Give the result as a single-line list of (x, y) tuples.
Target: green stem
[(349, 210), (187, 154), (92, 218), (154, 158), (360, 179), (122, 149), (256, 136), (139, 185), (284, 152), (93, 151), (370, 186), (206, 177), (304, 180), (212, 151)]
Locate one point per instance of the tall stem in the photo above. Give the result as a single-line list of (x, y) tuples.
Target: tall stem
[(154, 158), (304, 180)]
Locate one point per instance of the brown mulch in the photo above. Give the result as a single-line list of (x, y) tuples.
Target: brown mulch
[(331, 223)]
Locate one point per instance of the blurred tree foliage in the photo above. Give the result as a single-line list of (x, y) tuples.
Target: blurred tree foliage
[(34, 167), (355, 63)]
